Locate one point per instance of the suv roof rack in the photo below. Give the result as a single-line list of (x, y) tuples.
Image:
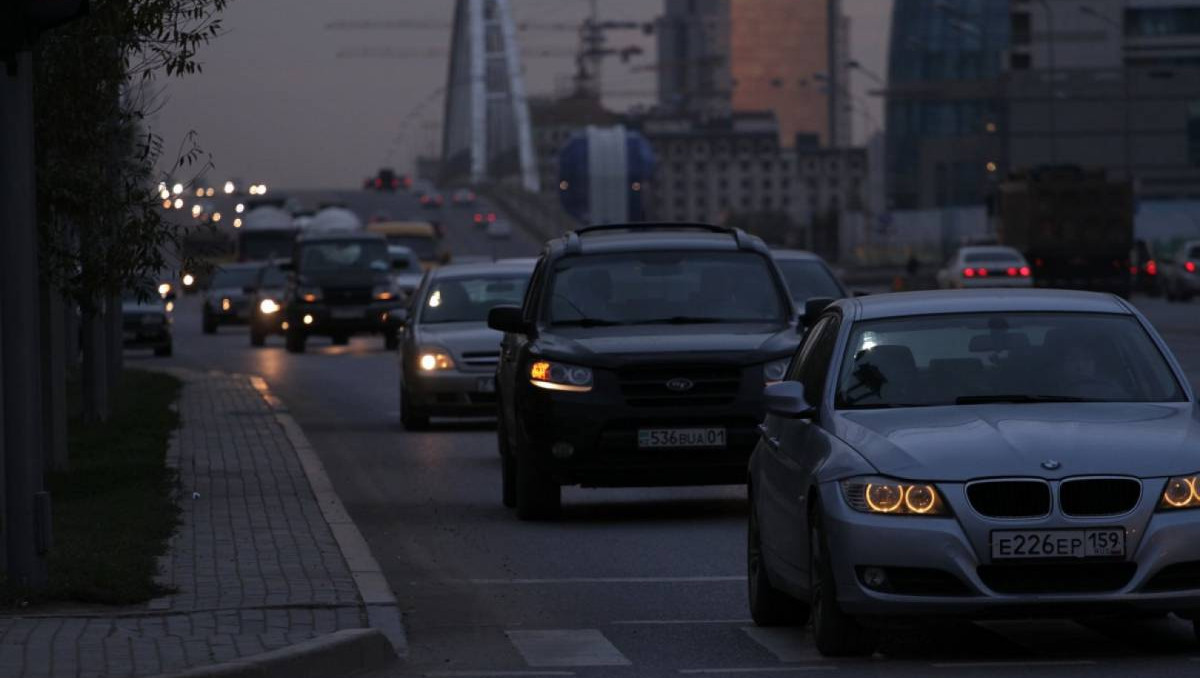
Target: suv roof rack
[(574, 244)]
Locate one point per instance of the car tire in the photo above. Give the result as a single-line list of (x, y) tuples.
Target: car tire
[(164, 351), (411, 417), (209, 323), (768, 605), (391, 340), (295, 341), (539, 497), (835, 633), (257, 337)]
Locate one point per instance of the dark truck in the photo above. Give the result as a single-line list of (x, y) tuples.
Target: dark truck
[(1074, 226)]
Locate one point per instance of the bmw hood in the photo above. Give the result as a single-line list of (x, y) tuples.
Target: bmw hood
[(614, 346), (1046, 440), (462, 337)]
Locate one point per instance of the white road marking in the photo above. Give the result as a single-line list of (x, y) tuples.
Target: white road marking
[(988, 665), (496, 674), (669, 622), (566, 647), (788, 645), (761, 669), (584, 580)]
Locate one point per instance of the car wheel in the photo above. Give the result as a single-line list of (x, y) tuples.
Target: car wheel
[(164, 351), (835, 633), (257, 336), (768, 605), (295, 341), (411, 417), (210, 323), (539, 497)]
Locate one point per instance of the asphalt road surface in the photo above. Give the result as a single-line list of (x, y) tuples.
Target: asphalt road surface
[(630, 583)]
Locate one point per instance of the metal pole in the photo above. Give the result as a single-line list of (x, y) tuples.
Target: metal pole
[(20, 340)]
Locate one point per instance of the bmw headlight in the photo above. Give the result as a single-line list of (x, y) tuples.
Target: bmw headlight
[(433, 359), (887, 496), (310, 295), (268, 306), (1181, 493), (560, 377), (776, 370)]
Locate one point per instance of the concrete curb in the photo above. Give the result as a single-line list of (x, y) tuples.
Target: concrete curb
[(341, 653), (382, 610)]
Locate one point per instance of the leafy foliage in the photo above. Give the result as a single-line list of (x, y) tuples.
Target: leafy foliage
[(101, 220)]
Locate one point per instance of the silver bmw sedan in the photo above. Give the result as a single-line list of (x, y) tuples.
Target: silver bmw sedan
[(979, 454)]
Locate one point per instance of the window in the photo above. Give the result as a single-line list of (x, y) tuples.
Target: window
[(1162, 21), (470, 299), (816, 356), (701, 167), (768, 165), (1193, 131), (767, 184)]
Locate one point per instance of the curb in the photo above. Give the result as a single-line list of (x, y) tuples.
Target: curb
[(339, 653), (383, 613)]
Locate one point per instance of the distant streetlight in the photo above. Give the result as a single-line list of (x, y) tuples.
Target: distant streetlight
[(229, 187), (177, 189)]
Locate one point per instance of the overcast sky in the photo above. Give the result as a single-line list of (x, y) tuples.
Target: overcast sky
[(276, 104)]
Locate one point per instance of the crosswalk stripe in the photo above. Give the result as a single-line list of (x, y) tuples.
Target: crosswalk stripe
[(566, 647), (788, 645)]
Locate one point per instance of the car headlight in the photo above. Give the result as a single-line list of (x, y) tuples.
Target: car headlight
[(383, 293), (435, 360), (226, 304), (268, 306), (152, 319), (188, 280), (164, 289), (883, 495), (560, 377), (1181, 493), (776, 370), (309, 294)]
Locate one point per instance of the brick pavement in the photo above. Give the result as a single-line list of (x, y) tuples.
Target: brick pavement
[(254, 565)]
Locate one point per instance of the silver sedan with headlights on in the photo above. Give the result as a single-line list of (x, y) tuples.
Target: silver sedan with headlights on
[(448, 354), (975, 454)]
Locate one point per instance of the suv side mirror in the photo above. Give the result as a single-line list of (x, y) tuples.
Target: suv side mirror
[(786, 399), (507, 319), (813, 308)]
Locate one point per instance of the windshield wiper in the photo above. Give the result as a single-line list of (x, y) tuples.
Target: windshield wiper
[(688, 320), (1020, 398), (586, 322)]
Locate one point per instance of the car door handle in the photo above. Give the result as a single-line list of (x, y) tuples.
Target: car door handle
[(771, 440)]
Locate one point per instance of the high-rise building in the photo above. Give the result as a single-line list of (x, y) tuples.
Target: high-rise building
[(693, 54), (945, 104)]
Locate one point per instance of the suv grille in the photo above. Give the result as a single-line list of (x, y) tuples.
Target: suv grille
[(1099, 496), (347, 295), (690, 385), (1010, 498), (1057, 578)]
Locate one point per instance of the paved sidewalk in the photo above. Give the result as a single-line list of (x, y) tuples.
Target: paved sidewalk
[(255, 565)]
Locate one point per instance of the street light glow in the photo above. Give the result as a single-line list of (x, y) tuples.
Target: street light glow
[(229, 187), (178, 203), (177, 189), (237, 223), (240, 208)]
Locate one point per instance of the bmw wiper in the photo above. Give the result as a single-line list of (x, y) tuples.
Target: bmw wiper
[(586, 322), (1019, 398)]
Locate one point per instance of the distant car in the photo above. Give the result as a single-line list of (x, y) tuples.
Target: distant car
[(406, 271), (267, 315), (808, 276), (463, 196), (385, 180), (448, 354), (500, 229), (146, 322), (991, 266), (1143, 266), (432, 200), (227, 301), (482, 219), (1182, 277), (973, 454)]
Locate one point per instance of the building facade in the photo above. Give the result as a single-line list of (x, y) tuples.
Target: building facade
[(694, 74)]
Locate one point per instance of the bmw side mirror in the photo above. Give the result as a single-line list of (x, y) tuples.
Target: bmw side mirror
[(786, 399), (813, 308), (507, 319)]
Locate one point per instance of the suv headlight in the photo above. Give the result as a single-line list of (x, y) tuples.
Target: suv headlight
[(560, 377), (776, 370), (887, 496), (383, 293), (433, 359), (268, 306), (1181, 493), (309, 295)]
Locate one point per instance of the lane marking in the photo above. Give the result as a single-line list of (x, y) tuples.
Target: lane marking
[(787, 644), (761, 669), (583, 580), (666, 622), (489, 674), (566, 647), (987, 665)]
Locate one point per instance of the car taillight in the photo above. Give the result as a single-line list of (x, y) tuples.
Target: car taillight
[(968, 273), (479, 218), (1025, 271), (1151, 267), (1190, 267), (981, 272), (379, 183), (1012, 272), (491, 217)]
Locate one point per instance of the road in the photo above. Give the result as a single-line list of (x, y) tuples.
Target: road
[(630, 583)]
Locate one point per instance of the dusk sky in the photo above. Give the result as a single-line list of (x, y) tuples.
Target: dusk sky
[(276, 104)]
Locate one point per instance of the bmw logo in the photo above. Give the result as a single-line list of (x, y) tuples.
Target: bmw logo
[(1051, 465), (680, 384)]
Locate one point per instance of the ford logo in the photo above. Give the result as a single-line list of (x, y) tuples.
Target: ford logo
[(680, 384)]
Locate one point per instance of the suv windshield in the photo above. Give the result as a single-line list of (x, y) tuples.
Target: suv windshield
[(665, 287), (1002, 357), (456, 300), (335, 255), (228, 278), (809, 280)]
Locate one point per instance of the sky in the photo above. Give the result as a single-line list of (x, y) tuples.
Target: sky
[(275, 103)]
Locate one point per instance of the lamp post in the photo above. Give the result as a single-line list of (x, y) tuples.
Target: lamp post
[(1126, 101)]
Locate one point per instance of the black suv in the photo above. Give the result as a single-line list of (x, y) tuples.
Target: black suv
[(639, 358), (340, 286)]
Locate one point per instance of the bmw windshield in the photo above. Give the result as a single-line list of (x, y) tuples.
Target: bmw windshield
[(966, 359)]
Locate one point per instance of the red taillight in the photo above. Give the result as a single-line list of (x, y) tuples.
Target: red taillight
[(983, 272), (1151, 267), (1012, 272), (379, 183), (479, 218), (1190, 266), (968, 273), (491, 217), (1133, 270), (1025, 271)]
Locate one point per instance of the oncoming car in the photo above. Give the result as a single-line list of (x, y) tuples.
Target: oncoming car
[(448, 353), (974, 454)]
